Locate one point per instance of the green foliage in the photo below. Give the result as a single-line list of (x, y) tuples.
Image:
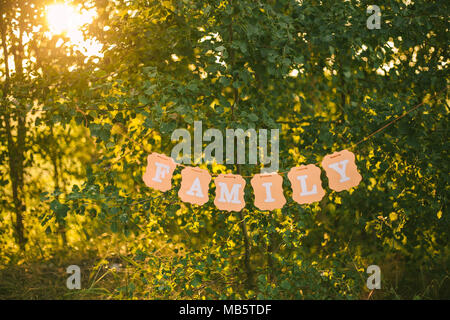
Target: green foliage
[(311, 69)]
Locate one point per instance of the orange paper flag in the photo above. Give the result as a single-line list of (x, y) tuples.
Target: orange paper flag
[(229, 192), (341, 170), (306, 184), (268, 189), (158, 174), (194, 185)]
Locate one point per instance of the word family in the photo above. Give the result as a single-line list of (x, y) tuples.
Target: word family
[(340, 168)]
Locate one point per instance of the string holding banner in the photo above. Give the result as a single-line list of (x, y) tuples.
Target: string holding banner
[(306, 183), (340, 168)]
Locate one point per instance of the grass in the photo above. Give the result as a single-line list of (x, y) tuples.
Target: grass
[(108, 272)]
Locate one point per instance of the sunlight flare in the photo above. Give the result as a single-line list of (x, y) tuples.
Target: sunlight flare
[(68, 20)]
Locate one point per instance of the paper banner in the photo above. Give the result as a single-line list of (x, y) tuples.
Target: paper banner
[(341, 170), (158, 174), (229, 192), (305, 180), (194, 185), (306, 184), (268, 190)]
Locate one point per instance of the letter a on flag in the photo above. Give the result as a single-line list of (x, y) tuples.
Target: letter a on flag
[(306, 184), (268, 189), (194, 185), (229, 192), (341, 170), (158, 174)]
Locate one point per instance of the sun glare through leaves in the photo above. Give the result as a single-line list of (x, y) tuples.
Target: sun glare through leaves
[(65, 19)]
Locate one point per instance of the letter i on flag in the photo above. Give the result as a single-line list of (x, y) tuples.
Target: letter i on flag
[(306, 184), (158, 174), (268, 190), (229, 192), (341, 170), (194, 185)]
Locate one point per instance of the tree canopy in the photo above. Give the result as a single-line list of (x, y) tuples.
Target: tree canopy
[(77, 127)]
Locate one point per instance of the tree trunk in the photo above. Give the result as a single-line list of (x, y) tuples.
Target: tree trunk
[(53, 153), (15, 149)]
